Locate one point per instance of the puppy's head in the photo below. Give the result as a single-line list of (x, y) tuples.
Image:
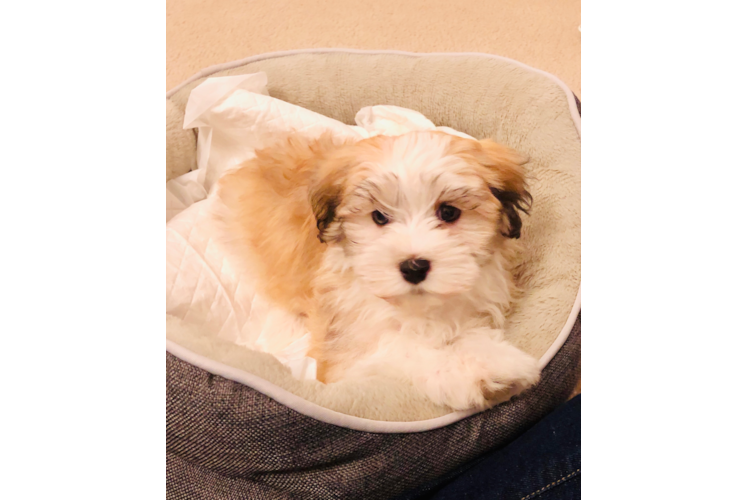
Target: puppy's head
[(420, 213)]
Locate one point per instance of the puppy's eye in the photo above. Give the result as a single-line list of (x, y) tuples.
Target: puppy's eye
[(448, 213), (379, 218)]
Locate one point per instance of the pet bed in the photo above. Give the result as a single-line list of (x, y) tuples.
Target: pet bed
[(240, 425)]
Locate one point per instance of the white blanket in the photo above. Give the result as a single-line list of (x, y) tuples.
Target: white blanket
[(234, 117)]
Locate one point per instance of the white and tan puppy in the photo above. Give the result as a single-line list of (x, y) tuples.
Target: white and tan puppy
[(394, 252)]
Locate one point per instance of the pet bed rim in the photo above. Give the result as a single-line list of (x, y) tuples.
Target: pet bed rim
[(210, 70), (300, 404)]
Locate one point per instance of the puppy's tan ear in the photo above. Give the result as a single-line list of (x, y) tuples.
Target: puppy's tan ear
[(508, 184)]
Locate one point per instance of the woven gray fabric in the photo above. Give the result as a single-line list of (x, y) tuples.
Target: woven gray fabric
[(226, 441)]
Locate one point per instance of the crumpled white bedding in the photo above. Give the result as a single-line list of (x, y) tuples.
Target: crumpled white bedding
[(235, 116)]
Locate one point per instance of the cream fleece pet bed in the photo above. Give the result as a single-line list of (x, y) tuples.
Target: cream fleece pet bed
[(480, 95)]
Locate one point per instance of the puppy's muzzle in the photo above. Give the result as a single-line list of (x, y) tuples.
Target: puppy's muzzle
[(415, 270)]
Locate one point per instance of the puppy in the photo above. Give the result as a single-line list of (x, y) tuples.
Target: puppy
[(394, 252)]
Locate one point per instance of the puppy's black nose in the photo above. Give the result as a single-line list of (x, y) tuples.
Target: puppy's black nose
[(415, 270)]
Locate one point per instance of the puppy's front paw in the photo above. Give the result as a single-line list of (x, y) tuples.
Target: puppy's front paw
[(482, 378), (516, 374)]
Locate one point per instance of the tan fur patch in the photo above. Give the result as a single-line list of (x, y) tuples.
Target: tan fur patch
[(268, 199)]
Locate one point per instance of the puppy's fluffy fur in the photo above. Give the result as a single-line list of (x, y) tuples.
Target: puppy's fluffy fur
[(303, 217)]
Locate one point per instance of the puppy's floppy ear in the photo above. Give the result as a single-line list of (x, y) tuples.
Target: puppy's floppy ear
[(507, 183), (326, 187), (324, 196), (511, 202)]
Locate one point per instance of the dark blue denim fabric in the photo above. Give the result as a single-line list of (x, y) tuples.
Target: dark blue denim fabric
[(544, 463)]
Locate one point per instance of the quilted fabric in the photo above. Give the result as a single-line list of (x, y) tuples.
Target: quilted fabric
[(201, 288)]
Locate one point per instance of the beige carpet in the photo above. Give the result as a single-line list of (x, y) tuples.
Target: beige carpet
[(541, 33)]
